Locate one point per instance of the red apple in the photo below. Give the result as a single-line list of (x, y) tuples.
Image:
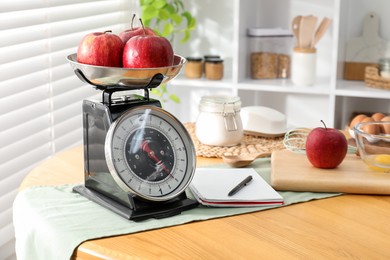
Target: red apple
[(326, 147), (147, 51), (101, 49), (126, 35)]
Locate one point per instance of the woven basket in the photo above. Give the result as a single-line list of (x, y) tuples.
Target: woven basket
[(249, 144), (374, 80)]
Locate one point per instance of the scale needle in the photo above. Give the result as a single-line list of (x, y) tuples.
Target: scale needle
[(145, 147)]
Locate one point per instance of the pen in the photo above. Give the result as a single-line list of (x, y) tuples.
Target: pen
[(240, 185)]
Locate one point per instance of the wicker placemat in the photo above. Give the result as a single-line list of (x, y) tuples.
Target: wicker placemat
[(249, 144)]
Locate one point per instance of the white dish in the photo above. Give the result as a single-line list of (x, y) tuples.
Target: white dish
[(263, 121)]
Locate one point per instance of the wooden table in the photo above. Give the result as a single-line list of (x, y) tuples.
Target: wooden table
[(342, 227)]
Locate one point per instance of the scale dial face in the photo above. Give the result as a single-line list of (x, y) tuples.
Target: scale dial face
[(150, 154)]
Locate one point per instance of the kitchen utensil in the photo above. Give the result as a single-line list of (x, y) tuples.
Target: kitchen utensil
[(293, 172), (324, 25), (307, 29), (295, 139), (295, 29), (243, 160)]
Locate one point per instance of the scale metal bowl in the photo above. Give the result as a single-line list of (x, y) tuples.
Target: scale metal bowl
[(125, 78)]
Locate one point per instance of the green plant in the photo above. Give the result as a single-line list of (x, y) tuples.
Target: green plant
[(168, 18)]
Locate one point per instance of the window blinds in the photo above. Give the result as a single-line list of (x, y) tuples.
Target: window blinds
[(40, 99)]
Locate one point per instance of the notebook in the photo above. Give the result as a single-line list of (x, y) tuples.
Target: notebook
[(211, 187)]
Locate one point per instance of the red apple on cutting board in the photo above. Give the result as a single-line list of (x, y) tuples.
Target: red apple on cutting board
[(127, 34), (326, 147), (101, 49), (147, 51)]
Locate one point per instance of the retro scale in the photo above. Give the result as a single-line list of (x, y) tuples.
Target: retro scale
[(138, 158)]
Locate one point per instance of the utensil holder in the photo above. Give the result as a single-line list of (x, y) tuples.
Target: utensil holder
[(303, 69)]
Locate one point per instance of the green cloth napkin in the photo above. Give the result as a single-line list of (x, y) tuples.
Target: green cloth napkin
[(51, 221)]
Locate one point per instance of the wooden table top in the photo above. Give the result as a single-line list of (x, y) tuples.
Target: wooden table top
[(342, 227)]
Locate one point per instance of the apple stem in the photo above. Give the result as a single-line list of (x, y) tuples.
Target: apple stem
[(143, 27), (132, 22), (108, 31), (323, 124)]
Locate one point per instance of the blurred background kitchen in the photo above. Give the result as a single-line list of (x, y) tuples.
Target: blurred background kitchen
[(40, 100)]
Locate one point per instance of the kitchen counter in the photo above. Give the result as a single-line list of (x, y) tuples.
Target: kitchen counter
[(341, 227)]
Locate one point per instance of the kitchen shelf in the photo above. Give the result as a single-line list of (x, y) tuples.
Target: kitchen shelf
[(331, 98), (225, 83), (358, 89), (284, 85)]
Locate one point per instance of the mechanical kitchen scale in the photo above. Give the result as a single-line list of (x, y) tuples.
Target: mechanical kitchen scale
[(138, 158)]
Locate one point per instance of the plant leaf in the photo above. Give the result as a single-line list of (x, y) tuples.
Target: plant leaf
[(191, 21), (163, 14), (156, 92), (146, 2), (148, 13), (186, 37), (168, 29), (163, 88), (176, 18), (170, 8), (174, 98), (180, 4), (159, 4)]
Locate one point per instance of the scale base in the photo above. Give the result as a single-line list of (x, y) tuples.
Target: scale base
[(167, 209)]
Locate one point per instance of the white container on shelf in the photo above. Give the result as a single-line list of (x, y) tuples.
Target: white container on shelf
[(303, 70), (219, 121)]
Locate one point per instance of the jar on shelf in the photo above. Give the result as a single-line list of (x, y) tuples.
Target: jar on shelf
[(384, 68), (213, 68), (211, 56), (194, 67), (219, 121), (270, 53)]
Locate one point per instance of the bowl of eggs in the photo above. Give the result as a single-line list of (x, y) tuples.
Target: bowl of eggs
[(364, 118), (373, 144)]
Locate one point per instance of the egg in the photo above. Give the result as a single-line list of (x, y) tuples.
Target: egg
[(379, 162), (386, 128), (356, 120), (377, 116), (370, 129)]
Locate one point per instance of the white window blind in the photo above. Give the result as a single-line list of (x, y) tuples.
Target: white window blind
[(40, 96)]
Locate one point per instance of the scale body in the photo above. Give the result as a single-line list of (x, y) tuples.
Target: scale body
[(138, 158)]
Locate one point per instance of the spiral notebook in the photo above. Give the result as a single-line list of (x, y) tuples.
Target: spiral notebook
[(211, 188)]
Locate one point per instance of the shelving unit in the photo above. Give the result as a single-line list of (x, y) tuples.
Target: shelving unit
[(221, 29)]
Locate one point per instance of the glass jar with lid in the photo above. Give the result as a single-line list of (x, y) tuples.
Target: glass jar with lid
[(384, 68), (219, 121), (194, 68), (213, 68)]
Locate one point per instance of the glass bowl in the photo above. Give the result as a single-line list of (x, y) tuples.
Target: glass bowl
[(374, 149)]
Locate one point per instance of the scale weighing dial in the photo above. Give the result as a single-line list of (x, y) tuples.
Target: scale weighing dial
[(150, 154)]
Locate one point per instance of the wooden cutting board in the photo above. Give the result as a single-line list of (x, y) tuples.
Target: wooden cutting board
[(292, 171), (365, 50), (369, 47)]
